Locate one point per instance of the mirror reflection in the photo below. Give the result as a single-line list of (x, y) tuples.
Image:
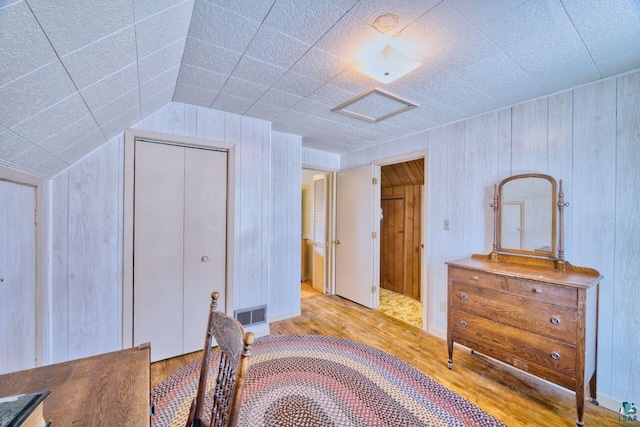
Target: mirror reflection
[(526, 212)]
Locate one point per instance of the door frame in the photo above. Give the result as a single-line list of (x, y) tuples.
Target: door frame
[(130, 136), (424, 283), (44, 334)]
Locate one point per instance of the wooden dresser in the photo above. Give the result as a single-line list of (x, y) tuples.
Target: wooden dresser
[(536, 318)]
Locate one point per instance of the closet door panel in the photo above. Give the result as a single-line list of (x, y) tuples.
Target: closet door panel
[(205, 227), (158, 248)]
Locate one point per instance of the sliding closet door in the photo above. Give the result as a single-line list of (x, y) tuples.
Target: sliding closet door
[(158, 248), (17, 277), (205, 201)]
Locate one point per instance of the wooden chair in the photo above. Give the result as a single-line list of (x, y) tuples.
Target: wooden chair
[(235, 349)]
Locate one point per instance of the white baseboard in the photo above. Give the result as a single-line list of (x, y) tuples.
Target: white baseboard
[(437, 332), (608, 402), (259, 330), (283, 316)]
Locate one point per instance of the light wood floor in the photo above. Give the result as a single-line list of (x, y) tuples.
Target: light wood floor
[(513, 397)]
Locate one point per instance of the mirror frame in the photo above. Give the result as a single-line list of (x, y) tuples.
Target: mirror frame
[(498, 222)]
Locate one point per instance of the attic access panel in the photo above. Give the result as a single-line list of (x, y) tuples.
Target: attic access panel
[(374, 105)]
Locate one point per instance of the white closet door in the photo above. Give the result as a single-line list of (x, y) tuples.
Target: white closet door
[(17, 277), (205, 202), (158, 248)]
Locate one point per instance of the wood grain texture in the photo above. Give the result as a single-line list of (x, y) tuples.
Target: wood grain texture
[(110, 389), (93, 287), (529, 137), (627, 234), (59, 267)]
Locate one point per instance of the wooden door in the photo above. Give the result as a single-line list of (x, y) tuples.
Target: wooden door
[(205, 240), (18, 325), (392, 253), (158, 248), (357, 230)]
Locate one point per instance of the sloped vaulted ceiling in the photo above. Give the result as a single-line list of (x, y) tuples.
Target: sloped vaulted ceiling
[(75, 73)]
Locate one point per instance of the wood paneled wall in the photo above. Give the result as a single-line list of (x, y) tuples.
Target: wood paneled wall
[(589, 138), (86, 217), (403, 274)]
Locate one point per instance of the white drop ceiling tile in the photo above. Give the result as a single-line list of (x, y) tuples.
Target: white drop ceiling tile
[(407, 11), (72, 133), (33, 93), (72, 24), (111, 87), (52, 120), (331, 95), (540, 37), (264, 111), (344, 4), (160, 61), (81, 148), (276, 48), (411, 122), (303, 20), (199, 77), (252, 9), (164, 28), (23, 45), (255, 71), (98, 60), (482, 12), (354, 81), (312, 108), (286, 127), (278, 98), (115, 108), (157, 101), (297, 84), (231, 104), (437, 113), (478, 62), (350, 39), (294, 118), (159, 83), (145, 8), (193, 95), (319, 65), (12, 144), (243, 89), (120, 123), (611, 32), (221, 27), (205, 55), (434, 30), (50, 167), (324, 145), (31, 158)]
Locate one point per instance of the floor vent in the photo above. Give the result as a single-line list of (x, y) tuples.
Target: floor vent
[(251, 316)]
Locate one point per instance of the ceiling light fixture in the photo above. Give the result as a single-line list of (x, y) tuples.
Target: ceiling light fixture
[(388, 64)]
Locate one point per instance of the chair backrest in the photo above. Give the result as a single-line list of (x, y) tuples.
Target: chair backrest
[(235, 348)]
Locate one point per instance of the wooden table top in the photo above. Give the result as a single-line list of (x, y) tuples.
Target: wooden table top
[(110, 389)]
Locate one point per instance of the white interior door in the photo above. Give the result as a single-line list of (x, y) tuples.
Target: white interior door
[(205, 239), (320, 232), (17, 277), (358, 231), (158, 248), (511, 235)]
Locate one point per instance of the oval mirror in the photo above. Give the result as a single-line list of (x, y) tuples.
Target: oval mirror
[(527, 215)]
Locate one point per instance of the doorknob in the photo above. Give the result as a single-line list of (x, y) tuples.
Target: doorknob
[(205, 258), (337, 242)]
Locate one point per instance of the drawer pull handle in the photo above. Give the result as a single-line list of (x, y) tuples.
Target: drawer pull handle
[(463, 297), (555, 355), (463, 323), (474, 278), (538, 291), (555, 320)]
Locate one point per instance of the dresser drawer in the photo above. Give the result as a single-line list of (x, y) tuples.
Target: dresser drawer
[(506, 343), (541, 318), (543, 292), (476, 278)]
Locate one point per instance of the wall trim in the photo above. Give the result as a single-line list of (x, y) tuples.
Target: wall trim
[(284, 316)]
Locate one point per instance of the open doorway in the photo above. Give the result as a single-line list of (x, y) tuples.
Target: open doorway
[(316, 246), (401, 201)]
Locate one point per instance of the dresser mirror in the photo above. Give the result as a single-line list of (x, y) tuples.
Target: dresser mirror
[(526, 215)]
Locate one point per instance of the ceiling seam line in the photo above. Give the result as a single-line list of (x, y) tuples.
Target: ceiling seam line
[(581, 39), (135, 38)]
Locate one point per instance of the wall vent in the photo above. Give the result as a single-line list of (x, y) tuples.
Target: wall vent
[(252, 315)]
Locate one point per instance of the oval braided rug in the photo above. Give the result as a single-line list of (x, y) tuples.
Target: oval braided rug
[(313, 380)]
